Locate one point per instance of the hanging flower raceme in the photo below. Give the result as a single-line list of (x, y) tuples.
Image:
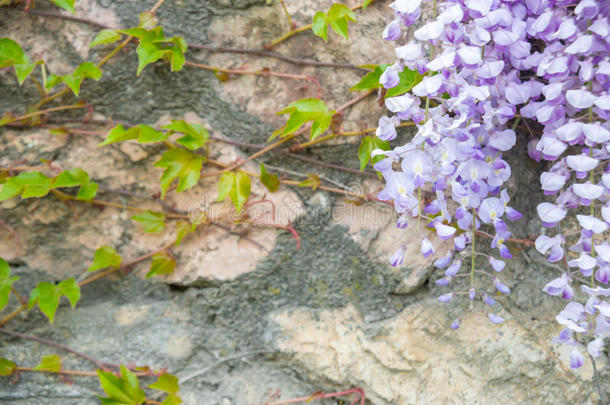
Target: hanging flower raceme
[(486, 67)]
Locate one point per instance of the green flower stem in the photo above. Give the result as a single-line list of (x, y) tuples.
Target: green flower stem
[(473, 252), (49, 110)]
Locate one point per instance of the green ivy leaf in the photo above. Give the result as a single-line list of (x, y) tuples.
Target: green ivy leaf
[(162, 263), (166, 383), (143, 133), (195, 135), (312, 180), (65, 4), (10, 189), (368, 145), (35, 184), (47, 296), (182, 165), (87, 191), (104, 257), (320, 26), (338, 16), (408, 80), (11, 54), (7, 367), (236, 186), (151, 221), (366, 3), (71, 178), (370, 81), (121, 391), (305, 110), (105, 37), (172, 399), (6, 283), (177, 53), (148, 134), (50, 363), (183, 228), (271, 181)]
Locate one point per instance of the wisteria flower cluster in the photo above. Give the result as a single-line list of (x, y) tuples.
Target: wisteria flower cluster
[(487, 65)]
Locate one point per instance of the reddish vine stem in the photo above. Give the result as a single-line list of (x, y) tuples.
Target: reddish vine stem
[(60, 346), (321, 395), (259, 72), (211, 48)]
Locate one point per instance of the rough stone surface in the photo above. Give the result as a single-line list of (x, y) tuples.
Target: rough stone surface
[(247, 317)]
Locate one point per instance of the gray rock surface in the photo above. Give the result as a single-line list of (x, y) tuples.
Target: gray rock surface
[(237, 323)]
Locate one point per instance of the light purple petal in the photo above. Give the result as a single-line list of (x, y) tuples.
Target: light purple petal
[(445, 298), (491, 69), (552, 182), (428, 86), (582, 44), (495, 318), (470, 55), (550, 213), (576, 360), (432, 30), (580, 98), (591, 223), (581, 163), (411, 51), (595, 347), (596, 133), (482, 6), (503, 140), (405, 6)]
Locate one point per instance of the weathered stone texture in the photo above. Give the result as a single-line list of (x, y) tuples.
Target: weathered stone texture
[(238, 320)]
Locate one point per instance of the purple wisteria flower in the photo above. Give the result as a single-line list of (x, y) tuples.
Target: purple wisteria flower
[(490, 67)]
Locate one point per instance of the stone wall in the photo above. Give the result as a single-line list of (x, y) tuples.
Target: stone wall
[(240, 321)]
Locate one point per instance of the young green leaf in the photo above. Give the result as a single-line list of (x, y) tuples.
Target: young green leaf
[(271, 181), (143, 133), (84, 70), (172, 399), (11, 54), (35, 184), (183, 228), (11, 188), (121, 391), (236, 186), (182, 165), (7, 367), (320, 26), (71, 178), (47, 296), (105, 37), (339, 16), (87, 191), (104, 257), (368, 145), (119, 134), (153, 222), (312, 180), (408, 80), (50, 363), (370, 81), (162, 263), (6, 283), (305, 110), (366, 3), (195, 135), (147, 134), (65, 4), (166, 383)]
